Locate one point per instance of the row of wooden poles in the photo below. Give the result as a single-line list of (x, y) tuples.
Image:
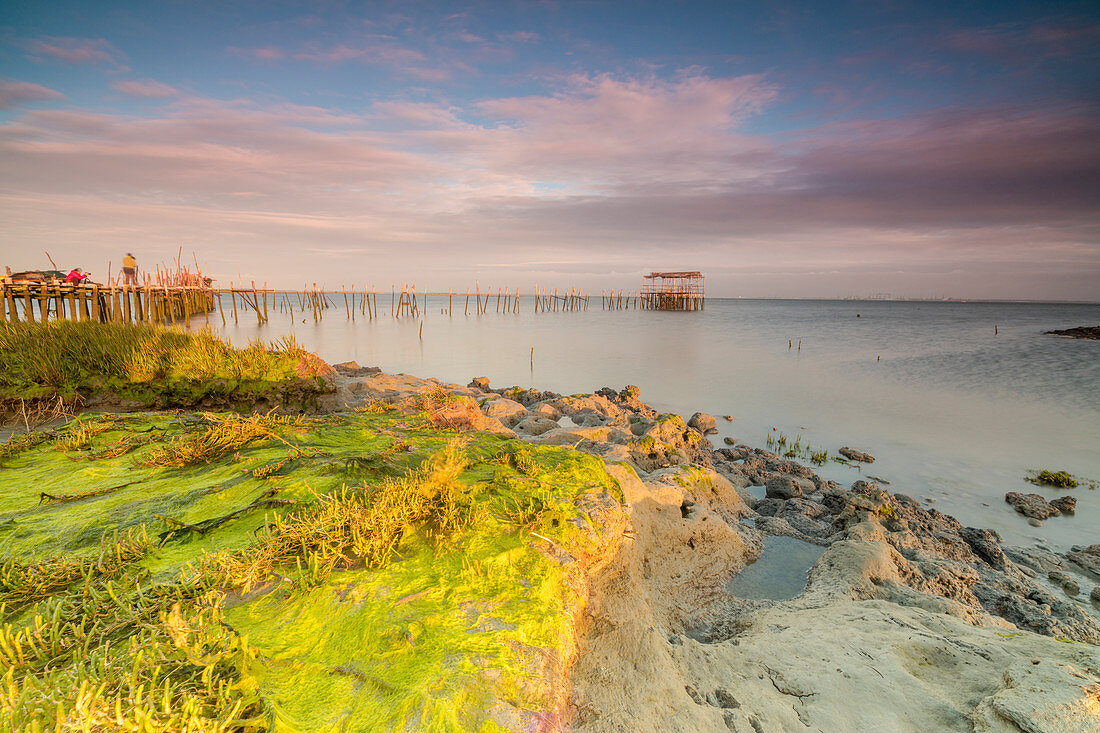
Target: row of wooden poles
[(40, 302)]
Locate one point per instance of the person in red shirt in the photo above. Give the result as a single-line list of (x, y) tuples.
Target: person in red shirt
[(76, 277)]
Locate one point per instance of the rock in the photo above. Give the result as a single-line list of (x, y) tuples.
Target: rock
[(768, 507), (534, 425), (352, 369), (1034, 522), (729, 441), (1069, 585), (481, 383), (856, 455), (704, 423), (1080, 332), (1094, 596), (588, 419), (906, 499), (546, 410), (728, 418), (986, 545), (507, 411), (782, 487), (1041, 695), (1088, 559), (1031, 505), (1065, 504)]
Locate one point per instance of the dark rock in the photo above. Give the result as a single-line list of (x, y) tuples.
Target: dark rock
[(1094, 596), (1065, 504), (733, 454), (1031, 505), (1088, 559), (807, 526), (811, 509), (728, 418), (729, 441), (856, 455), (768, 507), (481, 383), (906, 499), (986, 545), (1081, 332), (782, 487), (835, 499), (704, 423), (1069, 585)]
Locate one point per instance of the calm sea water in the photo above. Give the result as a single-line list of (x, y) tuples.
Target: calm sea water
[(953, 411)]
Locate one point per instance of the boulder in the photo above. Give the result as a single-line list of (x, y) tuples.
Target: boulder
[(856, 455), (481, 383), (1064, 504), (1031, 505), (704, 423), (782, 487), (507, 411)]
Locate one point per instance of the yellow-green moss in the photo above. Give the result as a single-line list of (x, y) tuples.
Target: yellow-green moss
[(458, 630)]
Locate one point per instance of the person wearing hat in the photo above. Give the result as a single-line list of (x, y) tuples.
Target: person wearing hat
[(129, 270), (76, 276)]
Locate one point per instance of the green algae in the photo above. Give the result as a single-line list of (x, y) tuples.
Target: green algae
[(462, 629)]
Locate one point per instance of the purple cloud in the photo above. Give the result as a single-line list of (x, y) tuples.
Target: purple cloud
[(12, 93), (78, 51), (145, 88)]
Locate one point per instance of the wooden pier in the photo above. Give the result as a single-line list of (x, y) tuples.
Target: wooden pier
[(673, 291), (42, 301)]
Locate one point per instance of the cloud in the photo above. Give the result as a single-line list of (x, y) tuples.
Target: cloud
[(605, 173), (264, 53), (78, 51), (12, 93), (145, 88)]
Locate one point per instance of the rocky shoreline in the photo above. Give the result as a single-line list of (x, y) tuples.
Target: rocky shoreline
[(941, 625)]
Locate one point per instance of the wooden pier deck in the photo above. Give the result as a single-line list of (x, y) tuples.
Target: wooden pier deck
[(39, 302)]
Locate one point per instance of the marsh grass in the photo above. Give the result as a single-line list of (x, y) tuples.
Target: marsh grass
[(787, 447), (41, 362)]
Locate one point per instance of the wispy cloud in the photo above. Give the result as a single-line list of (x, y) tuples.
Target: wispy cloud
[(13, 93), (145, 88), (77, 51)]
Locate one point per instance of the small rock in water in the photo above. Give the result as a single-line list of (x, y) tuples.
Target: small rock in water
[(856, 455), (1034, 522), (1065, 504), (1095, 595), (481, 383), (729, 441), (728, 418), (1031, 505), (704, 423)]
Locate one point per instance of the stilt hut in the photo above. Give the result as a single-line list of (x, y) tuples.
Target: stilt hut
[(673, 291)]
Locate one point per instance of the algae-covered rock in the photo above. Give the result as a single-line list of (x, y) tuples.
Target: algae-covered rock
[(389, 569)]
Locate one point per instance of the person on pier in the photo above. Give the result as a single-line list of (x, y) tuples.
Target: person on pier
[(76, 276), (129, 270)]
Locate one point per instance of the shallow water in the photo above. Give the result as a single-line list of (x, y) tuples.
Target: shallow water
[(953, 411), (779, 573)]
